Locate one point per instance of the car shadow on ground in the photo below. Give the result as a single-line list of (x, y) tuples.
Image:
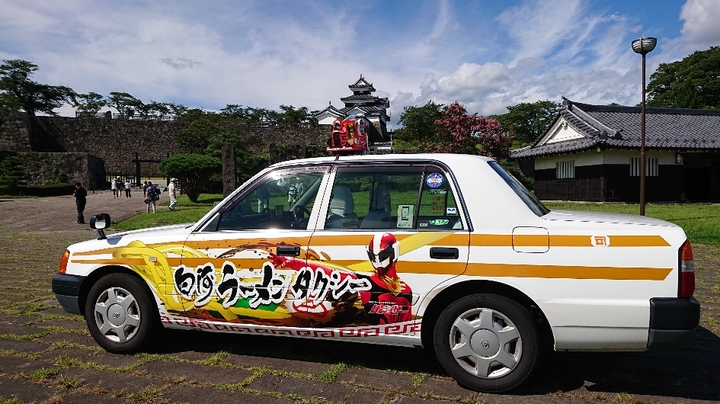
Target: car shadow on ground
[(690, 372)]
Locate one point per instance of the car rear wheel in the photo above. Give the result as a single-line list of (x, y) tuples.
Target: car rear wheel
[(486, 342), (120, 313)]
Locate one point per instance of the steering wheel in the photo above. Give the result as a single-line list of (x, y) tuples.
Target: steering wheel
[(299, 212)]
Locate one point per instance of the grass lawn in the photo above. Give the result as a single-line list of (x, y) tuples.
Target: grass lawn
[(185, 212), (701, 222)]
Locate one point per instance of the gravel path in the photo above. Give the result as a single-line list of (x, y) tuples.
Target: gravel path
[(59, 213), (48, 356)]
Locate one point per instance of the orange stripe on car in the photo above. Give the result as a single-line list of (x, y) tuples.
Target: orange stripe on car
[(570, 272)]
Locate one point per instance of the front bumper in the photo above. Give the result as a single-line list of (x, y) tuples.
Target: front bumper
[(672, 321), (67, 291)]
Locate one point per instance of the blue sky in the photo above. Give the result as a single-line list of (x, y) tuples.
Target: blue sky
[(485, 54)]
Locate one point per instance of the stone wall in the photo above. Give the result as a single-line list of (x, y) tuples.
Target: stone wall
[(110, 145), (14, 132), (116, 141), (59, 167)]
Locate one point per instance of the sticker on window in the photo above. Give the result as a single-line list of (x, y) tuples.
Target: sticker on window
[(451, 211), (437, 204), (405, 216), (438, 222), (434, 180)]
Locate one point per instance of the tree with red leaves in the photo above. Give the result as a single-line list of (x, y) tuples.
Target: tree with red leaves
[(460, 132)]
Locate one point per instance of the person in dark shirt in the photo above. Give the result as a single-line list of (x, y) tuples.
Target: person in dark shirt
[(80, 194)]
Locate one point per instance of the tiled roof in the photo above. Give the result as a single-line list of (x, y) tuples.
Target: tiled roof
[(330, 110), (368, 109), (610, 126), (361, 83), (363, 98)]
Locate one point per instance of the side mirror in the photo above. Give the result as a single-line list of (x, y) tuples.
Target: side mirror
[(100, 222)]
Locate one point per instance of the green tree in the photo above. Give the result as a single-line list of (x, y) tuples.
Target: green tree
[(246, 163), (527, 121), (177, 110), (11, 172), (693, 82), (250, 115), (155, 110), (192, 171), (291, 116), (202, 127), (125, 104), (19, 92), (418, 126), (88, 104)]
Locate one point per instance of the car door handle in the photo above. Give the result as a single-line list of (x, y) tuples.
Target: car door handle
[(288, 250), (444, 253)]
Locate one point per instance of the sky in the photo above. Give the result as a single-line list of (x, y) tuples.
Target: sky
[(484, 54)]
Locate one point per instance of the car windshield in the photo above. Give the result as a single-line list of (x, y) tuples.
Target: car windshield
[(528, 197)]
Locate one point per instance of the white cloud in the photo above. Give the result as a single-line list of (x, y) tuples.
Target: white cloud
[(484, 54), (701, 27), (538, 27)]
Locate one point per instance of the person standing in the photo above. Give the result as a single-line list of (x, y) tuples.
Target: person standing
[(120, 185), (151, 196), (172, 193), (128, 185), (113, 187), (80, 195)]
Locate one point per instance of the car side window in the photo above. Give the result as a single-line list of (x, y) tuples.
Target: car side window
[(438, 206), (381, 198), (280, 200)]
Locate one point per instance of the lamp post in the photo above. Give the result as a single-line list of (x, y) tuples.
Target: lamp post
[(643, 46)]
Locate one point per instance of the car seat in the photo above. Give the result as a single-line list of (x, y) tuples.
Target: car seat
[(378, 217), (342, 209)]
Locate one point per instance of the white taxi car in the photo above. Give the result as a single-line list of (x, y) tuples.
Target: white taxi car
[(448, 252)]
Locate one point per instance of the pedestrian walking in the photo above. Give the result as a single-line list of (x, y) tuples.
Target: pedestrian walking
[(128, 185), (172, 193), (80, 195)]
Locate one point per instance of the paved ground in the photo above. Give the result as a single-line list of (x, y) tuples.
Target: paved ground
[(47, 355)]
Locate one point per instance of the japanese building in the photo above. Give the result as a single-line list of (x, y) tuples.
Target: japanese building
[(361, 102), (592, 153)]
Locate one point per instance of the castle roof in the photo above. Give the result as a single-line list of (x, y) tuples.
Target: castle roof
[(361, 85)]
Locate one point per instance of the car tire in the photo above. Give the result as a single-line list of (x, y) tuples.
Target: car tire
[(121, 313), (486, 342)]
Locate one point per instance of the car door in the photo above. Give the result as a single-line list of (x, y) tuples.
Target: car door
[(388, 234), (241, 265)]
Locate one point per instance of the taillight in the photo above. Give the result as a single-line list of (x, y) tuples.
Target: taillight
[(64, 261), (687, 272)]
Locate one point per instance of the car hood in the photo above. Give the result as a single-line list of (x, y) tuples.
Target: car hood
[(606, 218), (154, 231), (171, 234)]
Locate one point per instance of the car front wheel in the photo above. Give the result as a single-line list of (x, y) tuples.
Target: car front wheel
[(486, 342), (120, 313)]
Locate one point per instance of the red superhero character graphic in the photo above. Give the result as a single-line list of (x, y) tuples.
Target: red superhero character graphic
[(388, 300)]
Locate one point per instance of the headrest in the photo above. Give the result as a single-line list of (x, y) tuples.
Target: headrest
[(342, 201)]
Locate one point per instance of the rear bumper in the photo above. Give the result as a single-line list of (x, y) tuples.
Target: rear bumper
[(67, 291), (672, 321)]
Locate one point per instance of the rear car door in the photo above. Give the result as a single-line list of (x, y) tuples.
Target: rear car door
[(387, 235)]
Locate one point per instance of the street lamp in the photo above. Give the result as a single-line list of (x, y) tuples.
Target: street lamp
[(643, 46)]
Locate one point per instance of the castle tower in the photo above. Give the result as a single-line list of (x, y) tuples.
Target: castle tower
[(361, 102)]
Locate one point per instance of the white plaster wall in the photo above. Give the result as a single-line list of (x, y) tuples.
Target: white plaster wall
[(592, 158)]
